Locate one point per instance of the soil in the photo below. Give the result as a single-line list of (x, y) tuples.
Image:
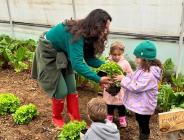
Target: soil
[(41, 127)]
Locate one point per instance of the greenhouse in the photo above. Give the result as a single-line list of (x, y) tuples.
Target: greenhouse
[(101, 69)]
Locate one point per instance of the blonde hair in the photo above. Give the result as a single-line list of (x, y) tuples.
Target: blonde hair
[(117, 46), (97, 109)]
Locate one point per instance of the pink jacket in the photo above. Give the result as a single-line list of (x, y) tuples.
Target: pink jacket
[(118, 99)]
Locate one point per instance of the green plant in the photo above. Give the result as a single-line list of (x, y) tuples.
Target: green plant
[(178, 82), (8, 103), (111, 68), (165, 97), (178, 100), (168, 70), (168, 99), (71, 130), (25, 114), (16, 53)]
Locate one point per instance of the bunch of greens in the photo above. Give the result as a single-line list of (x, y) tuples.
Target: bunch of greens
[(165, 96), (168, 70), (168, 99), (25, 114), (71, 130), (15, 53), (111, 69), (178, 82), (8, 103), (178, 100)]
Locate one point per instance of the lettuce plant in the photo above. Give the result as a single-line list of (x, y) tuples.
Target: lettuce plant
[(25, 114), (8, 103), (72, 130), (111, 69)]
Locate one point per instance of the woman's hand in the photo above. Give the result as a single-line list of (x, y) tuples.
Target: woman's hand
[(119, 77), (105, 81)]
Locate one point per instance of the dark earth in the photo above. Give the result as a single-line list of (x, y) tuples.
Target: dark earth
[(41, 127)]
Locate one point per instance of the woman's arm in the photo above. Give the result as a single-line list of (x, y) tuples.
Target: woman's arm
[(76, 56), (94, 62)]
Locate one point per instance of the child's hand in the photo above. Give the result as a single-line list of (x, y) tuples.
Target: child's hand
[(119, 77)]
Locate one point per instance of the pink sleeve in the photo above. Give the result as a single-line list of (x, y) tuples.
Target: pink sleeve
[(128, 68)]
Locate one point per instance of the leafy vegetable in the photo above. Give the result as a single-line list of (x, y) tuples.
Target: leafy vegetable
[(111, 68), (71, 130), (178, 82), (178, 100), (16, 53), (165, 96), (167, 99), (8, 103), (25, 114), (168, 70)]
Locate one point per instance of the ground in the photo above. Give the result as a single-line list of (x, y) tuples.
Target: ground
[(41, 128)]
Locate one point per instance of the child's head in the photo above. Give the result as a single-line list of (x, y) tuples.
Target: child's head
[(145, 54), (97, 109), (116, 51)]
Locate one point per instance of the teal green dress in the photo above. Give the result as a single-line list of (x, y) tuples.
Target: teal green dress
[(63, 41)]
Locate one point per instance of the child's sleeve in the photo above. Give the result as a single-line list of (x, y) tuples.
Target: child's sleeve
[(141, 84), (128, 68)]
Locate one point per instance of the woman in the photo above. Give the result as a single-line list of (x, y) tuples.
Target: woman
[(69, 46)]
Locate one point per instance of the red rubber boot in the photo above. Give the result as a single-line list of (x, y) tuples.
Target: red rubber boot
[(57, 109), (73, 106)]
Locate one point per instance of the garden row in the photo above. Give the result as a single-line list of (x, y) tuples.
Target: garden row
[(10, 104), (18, 54)]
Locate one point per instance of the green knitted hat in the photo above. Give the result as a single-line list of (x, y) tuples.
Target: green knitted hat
[(146, 50)]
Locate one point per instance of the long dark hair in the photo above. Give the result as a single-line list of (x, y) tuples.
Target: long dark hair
[(147, 64), (91, 28)]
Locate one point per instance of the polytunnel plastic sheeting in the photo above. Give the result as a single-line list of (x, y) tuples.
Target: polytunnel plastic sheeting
[(3, 10), (157, 17), (48, 12)]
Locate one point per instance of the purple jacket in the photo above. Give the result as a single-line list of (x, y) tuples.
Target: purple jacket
[(141, 90)]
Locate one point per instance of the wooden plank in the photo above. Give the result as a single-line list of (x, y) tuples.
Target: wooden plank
[(171, 121)]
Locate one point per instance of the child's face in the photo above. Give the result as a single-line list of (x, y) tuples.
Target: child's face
[(116, 55), (138, 61)]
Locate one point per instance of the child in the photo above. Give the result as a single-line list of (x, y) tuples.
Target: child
[(116, 102), (141, 88), (100, 128)]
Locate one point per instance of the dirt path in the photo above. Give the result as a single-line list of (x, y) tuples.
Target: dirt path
[(41, 128)]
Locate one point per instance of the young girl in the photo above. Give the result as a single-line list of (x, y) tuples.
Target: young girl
[(116, 102), (141, 88)]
